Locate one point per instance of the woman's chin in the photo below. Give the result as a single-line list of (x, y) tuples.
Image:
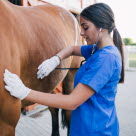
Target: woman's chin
[(88, 43)]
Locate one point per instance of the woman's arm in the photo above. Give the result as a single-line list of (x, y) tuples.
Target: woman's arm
[(17, 89), (69, 51), (69, 102)]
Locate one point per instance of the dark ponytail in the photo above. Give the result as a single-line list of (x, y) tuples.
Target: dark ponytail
[(102, 16), (119, 44)]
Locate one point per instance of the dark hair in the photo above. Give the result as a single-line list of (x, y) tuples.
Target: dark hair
[(102, 16)]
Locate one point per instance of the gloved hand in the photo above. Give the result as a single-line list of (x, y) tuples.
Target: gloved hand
[(15, 86), (47, 66)]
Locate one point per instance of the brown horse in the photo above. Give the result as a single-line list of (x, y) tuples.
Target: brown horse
[(29, 35)]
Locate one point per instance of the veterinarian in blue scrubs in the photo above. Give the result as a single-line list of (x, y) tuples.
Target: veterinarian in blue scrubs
[(97, 116), (92, 100)]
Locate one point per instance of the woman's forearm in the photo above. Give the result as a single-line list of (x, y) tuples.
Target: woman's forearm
[(68, 102), (51, 100)]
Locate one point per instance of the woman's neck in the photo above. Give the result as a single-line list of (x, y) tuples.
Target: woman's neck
[(105, 40)]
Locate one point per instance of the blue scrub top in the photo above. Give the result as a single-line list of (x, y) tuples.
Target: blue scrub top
[(101, 72)]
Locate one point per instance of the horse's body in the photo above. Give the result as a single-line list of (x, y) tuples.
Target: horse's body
[(29, 35)]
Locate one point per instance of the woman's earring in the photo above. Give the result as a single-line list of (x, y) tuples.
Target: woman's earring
[(100, 29)]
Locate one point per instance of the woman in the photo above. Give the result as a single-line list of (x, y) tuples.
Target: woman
[(93, 97)]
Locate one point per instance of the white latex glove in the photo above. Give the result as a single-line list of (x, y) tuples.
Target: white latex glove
[(47, 66), (15, 86)]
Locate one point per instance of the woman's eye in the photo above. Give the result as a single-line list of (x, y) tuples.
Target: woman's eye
[(85, 28)]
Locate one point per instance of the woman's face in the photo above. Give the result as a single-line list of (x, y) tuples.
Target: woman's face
[(89, 31)]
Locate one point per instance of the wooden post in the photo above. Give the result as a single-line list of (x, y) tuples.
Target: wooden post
[(81, 1), (95, 1), (24, 3)]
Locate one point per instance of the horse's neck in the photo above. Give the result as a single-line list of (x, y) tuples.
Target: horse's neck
[(5, 5), (8, 10)]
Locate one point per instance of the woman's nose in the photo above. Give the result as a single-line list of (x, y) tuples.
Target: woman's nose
[(82, 33)]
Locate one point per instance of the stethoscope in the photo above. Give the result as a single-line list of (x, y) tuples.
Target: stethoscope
[(93, 48), (98, 37)]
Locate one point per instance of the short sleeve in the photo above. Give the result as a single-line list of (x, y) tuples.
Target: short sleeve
[(99, 72), (86, 50)]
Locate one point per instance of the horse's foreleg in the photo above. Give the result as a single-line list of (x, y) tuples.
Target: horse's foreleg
[(55, 121), (9, 115), (67, 87), (6, 129)]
